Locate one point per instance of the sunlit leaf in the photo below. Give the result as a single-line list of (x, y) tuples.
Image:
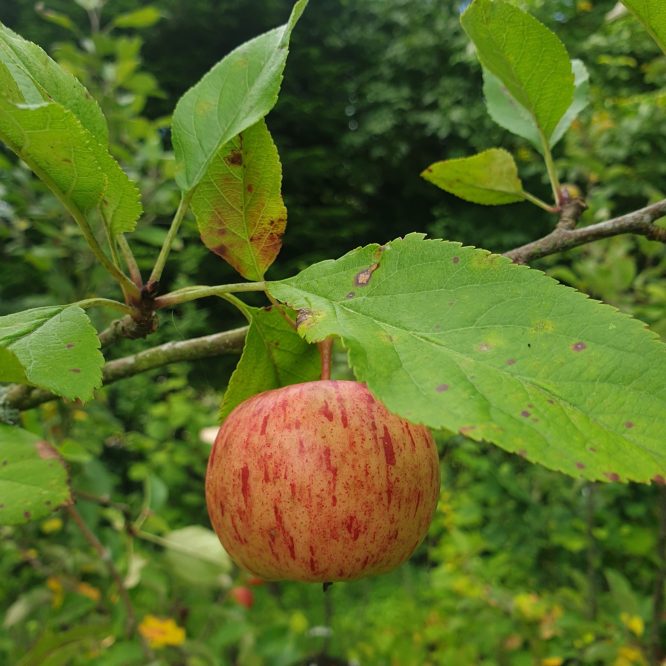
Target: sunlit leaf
[(489, 178)]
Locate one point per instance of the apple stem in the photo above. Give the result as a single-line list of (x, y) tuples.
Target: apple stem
[(326, 585), (325, 347)]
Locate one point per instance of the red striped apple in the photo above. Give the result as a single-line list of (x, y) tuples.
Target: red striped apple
[(320, 482)]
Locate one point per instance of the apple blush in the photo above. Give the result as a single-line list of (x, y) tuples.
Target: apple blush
[(319, 482)]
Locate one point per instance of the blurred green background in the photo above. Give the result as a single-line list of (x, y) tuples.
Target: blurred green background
[(522, 565)]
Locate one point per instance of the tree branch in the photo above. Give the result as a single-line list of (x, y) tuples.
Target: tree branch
[(23, 397), (563, 237)]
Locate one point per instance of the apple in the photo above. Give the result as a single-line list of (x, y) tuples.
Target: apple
[(320, 482), (242, 596)]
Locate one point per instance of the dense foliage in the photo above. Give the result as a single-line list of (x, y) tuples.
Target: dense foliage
[(522, 565)]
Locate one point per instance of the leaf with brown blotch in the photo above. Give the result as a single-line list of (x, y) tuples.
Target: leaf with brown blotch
[(238, 203), (33, 477)]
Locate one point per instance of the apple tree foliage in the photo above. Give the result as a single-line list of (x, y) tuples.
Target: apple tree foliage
[(448, 336)]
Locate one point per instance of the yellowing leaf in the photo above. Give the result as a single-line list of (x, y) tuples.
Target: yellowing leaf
[(529, 606), (238, 204), (489, 178)]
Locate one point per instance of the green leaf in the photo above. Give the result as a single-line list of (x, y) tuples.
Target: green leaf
[(507, 112), (456, 337), (59, 648), (41, 79), (580, 101), (77, 169), (237, 92), (528, 58), (121, 203), (32, 80), (652, 14), (139, 18), (56, 347), (238, 204), (511, 115), (274, 356), (489, 178), (57, 148), (57, 18), (33, 478), (196, 555)]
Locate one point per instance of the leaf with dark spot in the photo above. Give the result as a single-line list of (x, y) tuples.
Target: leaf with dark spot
[(553, 402), (33, 477), (362, 278), (33, 350), (238, 204)]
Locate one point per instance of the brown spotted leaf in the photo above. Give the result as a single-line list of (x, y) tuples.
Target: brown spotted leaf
[(54, 347), (459, 338), (33, 477), (238, 204)]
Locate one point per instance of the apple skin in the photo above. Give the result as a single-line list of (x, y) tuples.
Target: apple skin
[(319, 482)]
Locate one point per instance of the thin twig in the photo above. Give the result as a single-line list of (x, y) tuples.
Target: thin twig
[(21, 397), (130, 260), (105, 556), (561, 239), (170, 237)]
